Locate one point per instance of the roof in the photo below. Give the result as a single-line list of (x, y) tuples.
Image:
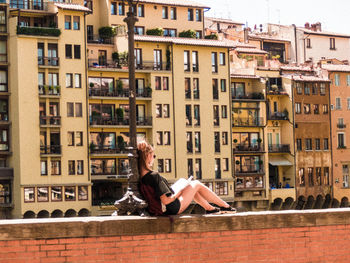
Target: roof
[(238, 44), (307, 78), (243, 76), (267, 37), (323, 33), (331, 67), (73, 7), (224, 20), (296, 68), (175, 3), (251, 50), (184, 41)]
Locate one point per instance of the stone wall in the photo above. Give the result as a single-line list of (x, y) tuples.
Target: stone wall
[(287, 236)]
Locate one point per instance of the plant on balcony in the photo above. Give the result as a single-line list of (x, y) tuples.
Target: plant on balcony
[(92, 147), (188, 33), (119, 87), (120, 114), (38, 31), (285, 113), (91, 85), (123, 58), (115, 57), (237, 162), (259, 140), (58, 88), (167, 54), (212, 36), (235, 141), (148, 90), (46, 87), (121, 143), (257, 96), (155, 32), (106, 32)]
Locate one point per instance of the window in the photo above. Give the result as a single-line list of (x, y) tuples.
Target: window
[(77, 54), (173, 13), (215, 89), (325, 144), (223, 85), (166, 138), (187, 88), (121, 9), (222, 58), (325, 108), (159, 110), (197, 142), (56, 193), (317, 144), (332, 43), (196, 88), (198, 168), (187, 60), (43, 194), (167, 165), (43, 165), (308, 144), (69, 193), (214, 62), (189, 142), (88, 4), (165, 12), (80, 167), (225, 166), (216, 115), (301, 177), (347, 80), (29, 194), (159, 138), (79, 138), (307, 89), (161, 165), (337, 103), (76, 22), (189, 167), (326, 175), (70, 109), (71, 167), (114, 10), (141, 10), (221, 188), (316, 109), (69, 51), (199, 34), (169, 32), (297, 108), (188, 109), (158, 83), (340, 123), (139, 30), (55, 167), (310, 174), (341, 140), (308, 43), (77, 80), (166, 110), (299, 145), (195, 66), (224, 111), (318, 176), (67, 22), (299, 88), (345, 175), (322, 88), (224, 138), (314, 89), (307, 108), (53, 79), (196, 117), (217, 168), (198, 15), (78, 110), (82, 193), (69, 80), (348, 103), (190, 14), (217, 142), (336, 80), (165, 83), (70, 138)]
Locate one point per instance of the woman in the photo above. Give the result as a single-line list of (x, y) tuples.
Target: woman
[(161, 198)]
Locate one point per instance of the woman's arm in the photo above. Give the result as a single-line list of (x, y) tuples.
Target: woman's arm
[(168, 199)]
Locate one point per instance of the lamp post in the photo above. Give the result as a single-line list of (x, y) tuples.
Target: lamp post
[(131, 203)]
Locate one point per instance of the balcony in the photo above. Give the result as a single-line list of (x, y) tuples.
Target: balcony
[(145, 65), (38, 31), (249, 169), (105, 170), (110, 121), (50, 121), (248, 96), (341, 126), (276, 91), (106, 150), (146, 93), (29, 5), (50, 150), (248, 122), (279, 148), (278, 116), (45, 90), (96, 39), (243, 147), (48, 61)]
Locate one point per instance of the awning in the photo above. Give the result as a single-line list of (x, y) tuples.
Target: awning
[(279, 161)]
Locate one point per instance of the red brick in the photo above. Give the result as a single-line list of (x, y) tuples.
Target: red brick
[(51, 241), (53, 253), (32, 248), (32, 242), (71, 240), (12, 249), (72, 253), (52, 247)]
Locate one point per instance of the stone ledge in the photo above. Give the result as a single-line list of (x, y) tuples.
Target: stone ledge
[(135, 225)]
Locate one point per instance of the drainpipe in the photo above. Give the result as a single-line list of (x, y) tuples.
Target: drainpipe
[(330, 139), (295, 43), (173, 108)]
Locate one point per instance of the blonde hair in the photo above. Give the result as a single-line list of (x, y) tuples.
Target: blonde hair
[(143, 149)]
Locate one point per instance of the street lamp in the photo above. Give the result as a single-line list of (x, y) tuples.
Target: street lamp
[(132, 202)]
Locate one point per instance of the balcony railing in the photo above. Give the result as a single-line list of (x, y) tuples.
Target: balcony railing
[(145, 65), (248, 96), (278, 116), (38, 31), (249, 169), (248, 122), (50, 120), (49, 90), (146, 93), (247, 148), (140, 121), (106, 170), (276, 91), (341, 125), (96, 39), (48, 61), (50, 149), (106, 149), (279, 148), (32, 5)]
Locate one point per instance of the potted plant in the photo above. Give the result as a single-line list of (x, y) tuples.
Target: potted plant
[(285, 114), (115, 58), (168, 53), (58, 88), (106, 32), (92, 147), (259, 140), (120, 114), (46, 87), (148, 91), (235, 141), (119, 87)]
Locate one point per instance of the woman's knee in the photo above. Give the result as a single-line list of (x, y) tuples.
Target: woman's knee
[(196, 184)]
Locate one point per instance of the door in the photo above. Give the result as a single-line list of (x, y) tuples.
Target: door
[(140, 113), (43, 142), (102, 57), (138, 58), (52, 55), (41, 53), (140, 89), (157, 56), (55, 143), (269, 140)]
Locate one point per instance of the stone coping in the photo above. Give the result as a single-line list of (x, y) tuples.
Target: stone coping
[(134, 225)]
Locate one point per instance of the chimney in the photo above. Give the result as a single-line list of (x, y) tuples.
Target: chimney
[(318, 27), (261, 27), (313, 27), (246, 30), (307, 25)]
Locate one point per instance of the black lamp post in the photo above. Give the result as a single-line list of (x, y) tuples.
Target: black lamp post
[(132, 202)]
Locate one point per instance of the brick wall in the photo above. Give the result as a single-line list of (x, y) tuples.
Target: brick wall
[(307, 236)]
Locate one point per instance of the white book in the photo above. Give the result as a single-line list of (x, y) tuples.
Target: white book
[(180, 184)]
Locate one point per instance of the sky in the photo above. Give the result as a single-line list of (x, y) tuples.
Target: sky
[(334, 15)]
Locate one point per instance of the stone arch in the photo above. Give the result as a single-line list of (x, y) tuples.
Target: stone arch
[(300, 203), (344, 202), (287, 204), (335, 203), (277, 204), (43, 214), (310, 202), (70, 213), (319, 202), (327, 201), (83, 212), (57, 213), (29, 214)]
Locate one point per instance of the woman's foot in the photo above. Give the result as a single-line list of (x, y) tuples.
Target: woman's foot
[(215, 210), (228, 209)]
